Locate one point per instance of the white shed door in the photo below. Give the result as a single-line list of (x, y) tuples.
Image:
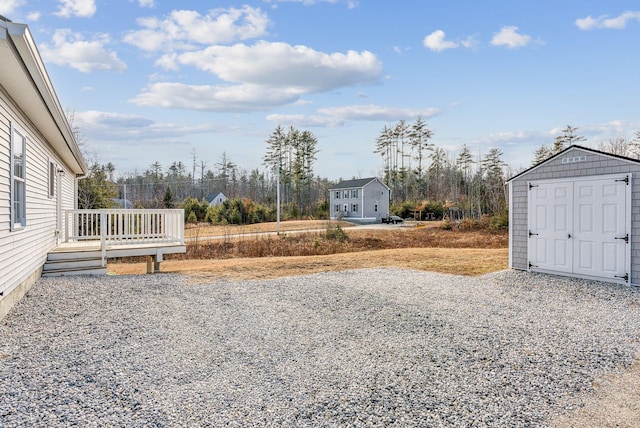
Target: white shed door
[(580, 227)]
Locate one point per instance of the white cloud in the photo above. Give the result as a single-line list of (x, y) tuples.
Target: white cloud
[(121, 129), (70, 49), (614, 128), (79, 8), (95, 119), (509, 36), (470, 42), (184, 28), (146, 3), (221, 98), (619, 22), (436, 42), (33, 16), (7, 7), (280, 65), (351, 4), (301, 120), (338, 116), (377, 113)]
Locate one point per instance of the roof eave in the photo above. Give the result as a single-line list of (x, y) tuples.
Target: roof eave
[(42, 104), (575, 146)]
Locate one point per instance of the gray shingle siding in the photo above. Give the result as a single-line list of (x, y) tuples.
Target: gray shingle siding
[(596, 164)]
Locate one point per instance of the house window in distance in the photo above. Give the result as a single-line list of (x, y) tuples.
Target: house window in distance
[(354, 208), (337, 208), (18, 185), (338, 195), (354, 193), (375, 207)]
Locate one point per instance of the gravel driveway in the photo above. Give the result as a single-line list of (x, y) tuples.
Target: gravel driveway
[(353, 348)]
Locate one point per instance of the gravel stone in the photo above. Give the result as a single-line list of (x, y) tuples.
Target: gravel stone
[(372, 347)]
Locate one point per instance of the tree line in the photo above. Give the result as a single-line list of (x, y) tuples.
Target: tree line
[(418, 172)]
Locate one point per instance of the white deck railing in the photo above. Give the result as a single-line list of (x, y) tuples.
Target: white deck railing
[(125, 227)]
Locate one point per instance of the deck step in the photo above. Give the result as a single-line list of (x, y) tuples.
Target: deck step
[(61, 264), (77, 271), (74, 262), (74, 255)]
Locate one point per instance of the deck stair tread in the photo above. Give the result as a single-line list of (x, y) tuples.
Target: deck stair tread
[(76, 271)]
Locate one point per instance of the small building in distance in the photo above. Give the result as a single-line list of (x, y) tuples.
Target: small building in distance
[(215, 198), (365, 199)]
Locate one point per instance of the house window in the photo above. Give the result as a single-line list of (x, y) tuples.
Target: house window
[(354, 208), (337, 208), (346, 194), (338, 195), (52, 179), (18, 174), (375, 207), (354, 193)]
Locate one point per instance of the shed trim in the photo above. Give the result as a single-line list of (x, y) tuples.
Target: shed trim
[(575, 146)]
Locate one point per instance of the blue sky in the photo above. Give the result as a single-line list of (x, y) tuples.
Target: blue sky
[(153, 80)]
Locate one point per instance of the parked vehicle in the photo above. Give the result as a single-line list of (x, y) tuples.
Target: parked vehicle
[(392, 219)]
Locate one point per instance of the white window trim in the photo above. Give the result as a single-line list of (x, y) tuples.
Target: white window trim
[(51, 178), (13, 221)]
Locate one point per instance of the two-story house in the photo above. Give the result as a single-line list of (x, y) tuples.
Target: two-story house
[(365, 199)]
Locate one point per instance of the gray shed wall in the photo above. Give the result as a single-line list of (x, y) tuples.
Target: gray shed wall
[(596, 164)]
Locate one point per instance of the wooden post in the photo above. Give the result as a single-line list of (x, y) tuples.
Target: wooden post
[(149, 264)]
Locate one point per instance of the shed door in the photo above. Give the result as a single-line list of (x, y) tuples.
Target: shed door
[(580, 227), (550, 226)]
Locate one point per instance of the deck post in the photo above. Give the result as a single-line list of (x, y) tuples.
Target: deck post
[(103, 237), (153, 264)]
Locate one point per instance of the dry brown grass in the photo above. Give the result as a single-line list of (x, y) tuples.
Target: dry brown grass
[(245, 256), (445, 260), (203, 230)]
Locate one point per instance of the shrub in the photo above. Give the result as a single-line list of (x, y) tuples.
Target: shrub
[(192, 219), (336, 234), (500, 221)]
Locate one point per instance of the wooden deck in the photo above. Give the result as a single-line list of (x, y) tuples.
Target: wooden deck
[(122, 250), (93, 236), (86, 257)]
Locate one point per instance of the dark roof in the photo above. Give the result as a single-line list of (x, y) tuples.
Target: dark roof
[(575, 146), (348, 184), (211, 196)]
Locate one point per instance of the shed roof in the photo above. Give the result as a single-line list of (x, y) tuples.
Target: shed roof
[(358, 183), (573, 147)]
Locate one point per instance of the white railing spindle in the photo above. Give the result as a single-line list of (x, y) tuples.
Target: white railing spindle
[(125, 226)]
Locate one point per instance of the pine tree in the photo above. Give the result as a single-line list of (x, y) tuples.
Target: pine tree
[(566, 139)]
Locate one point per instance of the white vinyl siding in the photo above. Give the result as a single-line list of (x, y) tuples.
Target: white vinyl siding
[(24, 251)]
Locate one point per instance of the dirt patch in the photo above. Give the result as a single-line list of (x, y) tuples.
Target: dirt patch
[(615, 403)]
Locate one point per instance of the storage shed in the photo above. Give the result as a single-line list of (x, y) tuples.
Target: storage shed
[(577, 214)]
